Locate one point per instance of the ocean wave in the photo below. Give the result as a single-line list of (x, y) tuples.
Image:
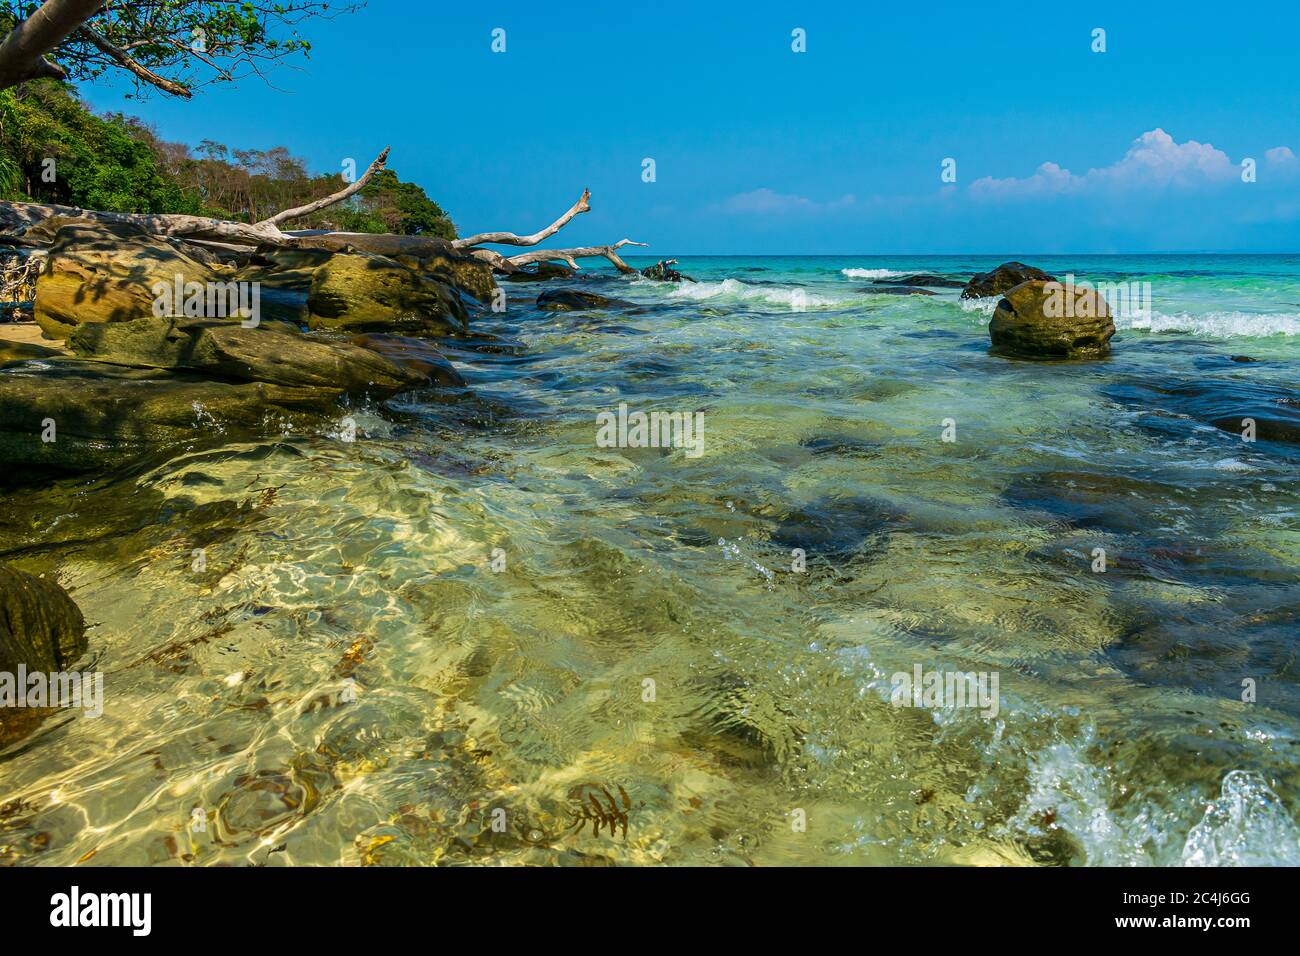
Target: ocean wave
[(734, 290), (1216, 325), (872, 273)]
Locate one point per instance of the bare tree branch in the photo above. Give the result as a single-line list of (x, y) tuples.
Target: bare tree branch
[(569, 255), (123, 59), (330, 200), (510, 239), (22, 54)]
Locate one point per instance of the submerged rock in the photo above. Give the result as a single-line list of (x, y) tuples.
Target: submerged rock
[(1040, 319), (369, 293), (896, 290), (40, 626), (571, 300), (1004, 277), (72, 415), (923, 279), (41, 632), (278, 355), (22, 351)]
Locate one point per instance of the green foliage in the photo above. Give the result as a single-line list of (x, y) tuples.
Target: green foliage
[(117, 164), (97, 162), (386, 204), (186, 42)]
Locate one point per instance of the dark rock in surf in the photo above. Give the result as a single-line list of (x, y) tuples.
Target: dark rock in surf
[(896, 290), (418, 356), (571, 300), (663, 271), (923, 279), (1004, 277), (542, 272), (1049, 320)]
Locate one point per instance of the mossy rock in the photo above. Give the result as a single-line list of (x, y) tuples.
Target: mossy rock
[(369, 293), (435, 257)]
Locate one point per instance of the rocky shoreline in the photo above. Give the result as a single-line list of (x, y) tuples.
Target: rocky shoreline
[(134, 364)]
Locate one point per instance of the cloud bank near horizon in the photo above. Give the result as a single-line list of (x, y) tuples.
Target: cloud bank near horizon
[(1154, 161)]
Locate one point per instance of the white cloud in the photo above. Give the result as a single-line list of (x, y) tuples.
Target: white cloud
[(769, 202), (1279, 156), (1153, 160)]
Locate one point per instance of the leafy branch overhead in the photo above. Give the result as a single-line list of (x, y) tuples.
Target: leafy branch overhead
[(169, 45)]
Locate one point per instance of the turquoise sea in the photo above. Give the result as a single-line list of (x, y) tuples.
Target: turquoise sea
[(639, 655)]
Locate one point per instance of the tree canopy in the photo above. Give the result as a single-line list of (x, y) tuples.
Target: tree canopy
[(170, 45)]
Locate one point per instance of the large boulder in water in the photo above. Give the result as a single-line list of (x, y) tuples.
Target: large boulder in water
[(1051, 320), (72, 415), (370, 293), (277, 354), (1004, 277)]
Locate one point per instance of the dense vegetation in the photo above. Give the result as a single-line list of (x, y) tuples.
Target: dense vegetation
[(119, 164)]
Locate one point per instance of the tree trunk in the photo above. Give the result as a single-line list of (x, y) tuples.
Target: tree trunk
[(22, 54)]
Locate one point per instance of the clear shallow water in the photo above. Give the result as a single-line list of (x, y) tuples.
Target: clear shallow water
[(1121, 735)]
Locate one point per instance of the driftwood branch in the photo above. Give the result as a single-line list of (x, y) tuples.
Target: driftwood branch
[(125, 60), (195, 227), (581, 252), (22, 54), (330, 200), (510, 239)]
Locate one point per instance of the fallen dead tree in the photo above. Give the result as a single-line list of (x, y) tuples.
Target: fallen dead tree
[(24, 222)]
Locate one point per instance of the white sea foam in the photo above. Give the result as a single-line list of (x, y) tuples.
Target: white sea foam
[(734, 290), (1247, 826), (1216, 325), (984, 306), (872, 273)]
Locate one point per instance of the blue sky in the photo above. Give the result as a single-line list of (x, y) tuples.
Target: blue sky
[(839, 149)]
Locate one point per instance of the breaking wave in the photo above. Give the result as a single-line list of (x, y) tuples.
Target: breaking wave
[(1216, 325), (736, 291), (872, 273)]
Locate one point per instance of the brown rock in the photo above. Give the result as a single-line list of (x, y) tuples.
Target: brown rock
[(999, 280), (1040, 319)]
